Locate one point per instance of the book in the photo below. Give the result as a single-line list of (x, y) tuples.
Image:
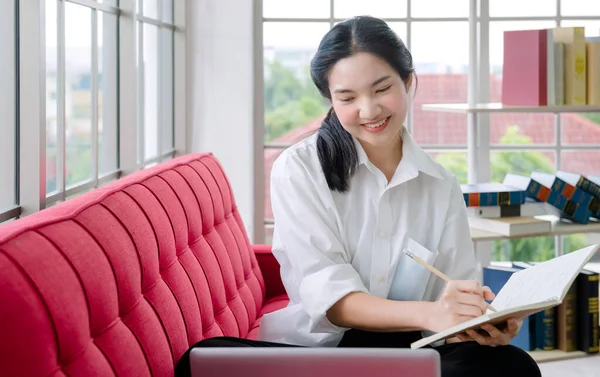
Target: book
[(496, 277), (580, 181), (492, 194), (529, 208), (570, 192), (524, 69), (593, 70), (526, 292), (512, 226), (575, 77), (543, 191), (587, 312), (542, 325)]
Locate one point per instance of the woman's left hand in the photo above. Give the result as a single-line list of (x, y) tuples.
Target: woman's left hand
[(494, 336)]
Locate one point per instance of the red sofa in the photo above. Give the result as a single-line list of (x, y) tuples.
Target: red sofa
[(123, 279)]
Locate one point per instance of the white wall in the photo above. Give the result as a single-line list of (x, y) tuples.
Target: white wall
[(220, 96)]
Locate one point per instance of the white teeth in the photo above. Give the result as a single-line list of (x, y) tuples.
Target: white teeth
[(375, 125)]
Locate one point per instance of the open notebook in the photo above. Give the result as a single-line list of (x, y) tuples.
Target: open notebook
[(526, 292)]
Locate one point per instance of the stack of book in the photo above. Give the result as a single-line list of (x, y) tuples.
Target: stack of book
[(513, 207), (551, 67)]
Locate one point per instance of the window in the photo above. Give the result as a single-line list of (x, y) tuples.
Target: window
[(294, 108), (437, 33), (8, 112), (81, 97), (87, 119), (155, 30)]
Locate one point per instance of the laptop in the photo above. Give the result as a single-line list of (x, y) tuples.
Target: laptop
[(314, 362)]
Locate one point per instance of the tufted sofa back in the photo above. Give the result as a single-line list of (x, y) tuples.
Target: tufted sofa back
[(122, 280)]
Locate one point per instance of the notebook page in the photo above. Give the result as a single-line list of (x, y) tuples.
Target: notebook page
[(542, 282)]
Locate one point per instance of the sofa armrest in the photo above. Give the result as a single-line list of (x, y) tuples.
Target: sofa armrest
[(269, 267)]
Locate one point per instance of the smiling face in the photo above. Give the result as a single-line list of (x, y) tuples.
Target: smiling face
[(369, 98)]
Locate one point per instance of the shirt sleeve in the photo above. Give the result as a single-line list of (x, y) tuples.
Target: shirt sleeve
[(455, 244), (315, 267)]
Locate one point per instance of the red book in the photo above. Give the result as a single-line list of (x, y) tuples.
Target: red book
[(524, 73)]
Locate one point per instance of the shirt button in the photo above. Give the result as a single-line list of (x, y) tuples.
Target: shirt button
[(382, 234), (380, 279)]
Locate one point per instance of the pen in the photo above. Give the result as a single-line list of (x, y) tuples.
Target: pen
[(435, 271)]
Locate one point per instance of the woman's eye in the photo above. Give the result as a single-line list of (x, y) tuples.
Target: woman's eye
[(384, 89), (346, 99)]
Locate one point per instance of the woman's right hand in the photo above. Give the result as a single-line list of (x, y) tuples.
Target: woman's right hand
[(460, 301)]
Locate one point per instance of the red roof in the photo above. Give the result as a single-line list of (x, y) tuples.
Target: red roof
[(435, 128)]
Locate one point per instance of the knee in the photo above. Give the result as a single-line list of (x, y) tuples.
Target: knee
[(515, 361)]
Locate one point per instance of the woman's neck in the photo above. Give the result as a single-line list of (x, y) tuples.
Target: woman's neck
[(386, 157)]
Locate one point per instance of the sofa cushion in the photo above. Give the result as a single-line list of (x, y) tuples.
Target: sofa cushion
[(122, 280)]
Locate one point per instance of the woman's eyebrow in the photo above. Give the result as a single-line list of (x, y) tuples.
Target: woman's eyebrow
[(378, 81)]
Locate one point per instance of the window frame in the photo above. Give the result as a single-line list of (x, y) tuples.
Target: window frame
[(478, 146), (30, 97)]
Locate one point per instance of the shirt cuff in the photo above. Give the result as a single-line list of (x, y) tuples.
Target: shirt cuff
[(321, 290)]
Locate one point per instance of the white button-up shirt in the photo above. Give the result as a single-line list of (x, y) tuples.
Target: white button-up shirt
[(330, 244)]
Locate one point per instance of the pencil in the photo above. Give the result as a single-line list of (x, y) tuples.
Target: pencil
[(435, 271)]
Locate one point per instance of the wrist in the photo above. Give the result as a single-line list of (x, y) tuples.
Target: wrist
[(427, 316)]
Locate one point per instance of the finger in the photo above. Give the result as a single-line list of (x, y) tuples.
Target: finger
[(487, 293), (492, 330), (469, 286), (483, 340), (512, 326), (473, 300), (463, 337), (470, 311)]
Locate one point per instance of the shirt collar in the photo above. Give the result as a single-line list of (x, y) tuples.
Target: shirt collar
[(412, 155)]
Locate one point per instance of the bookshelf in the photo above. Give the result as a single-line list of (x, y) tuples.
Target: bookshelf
[(559, 228), (497, 107)]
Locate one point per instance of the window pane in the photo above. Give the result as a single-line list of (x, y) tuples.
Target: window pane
[(107, 93), (270, 155), (526, 249), (167, 11), (520, 8), (150, 8), (580, 128), (150, 90), (296, 9), (439, 8), (375, 8), (292, 103), (454, 161), (497, 29), (167, 89), (78, 92), (579, 7), (441, 66), (52, 172), (520, 128), (581, 162), (521, 162), (7, 108), (592, 28), (400, 29), (109, 2)]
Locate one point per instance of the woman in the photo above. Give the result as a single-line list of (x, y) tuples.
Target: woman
[(350, 199)]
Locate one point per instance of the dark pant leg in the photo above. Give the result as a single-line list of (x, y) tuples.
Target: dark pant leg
[(182, 369), (368, 339), (469, 359)]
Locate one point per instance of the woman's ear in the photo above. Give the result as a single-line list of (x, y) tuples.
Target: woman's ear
[(408, 83)]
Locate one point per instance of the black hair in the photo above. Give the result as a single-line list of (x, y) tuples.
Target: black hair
[(335, 146)]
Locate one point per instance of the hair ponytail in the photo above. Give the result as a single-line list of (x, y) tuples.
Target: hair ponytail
[(337, 153)]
